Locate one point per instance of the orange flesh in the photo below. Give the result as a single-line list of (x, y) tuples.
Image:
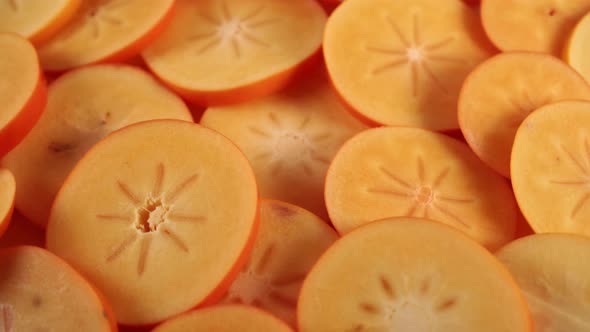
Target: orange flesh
[(289, 242), (499, 94), (184, 203), (552, 271), (407, 274), (403, 62), (41, 292), (7, 193), (577, 48), (22, 232), (388, 172), (83, 107)]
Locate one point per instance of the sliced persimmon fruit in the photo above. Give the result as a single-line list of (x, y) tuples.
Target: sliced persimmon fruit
[(7, 194), (41, 292), (403, 62), (408, 274), (106, 31), (577, 49), (531, 25), (552, 272), (502, 91), (390, 172), (227, 51), (83, 106), (22, 90), (22, 232), (289, 241), (160, 216)]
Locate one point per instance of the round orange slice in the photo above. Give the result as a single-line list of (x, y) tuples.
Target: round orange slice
[(7, 193), (501, 92), (20, 232), (106, 31), (408, 274), (552, 272), (225, 51), (390, 172), (160, 215), (577, 49), (403, 62)]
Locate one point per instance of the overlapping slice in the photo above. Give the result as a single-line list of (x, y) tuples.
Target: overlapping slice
[(7, 193), (410, 275), (22, 232), (225, 51), (403, 62), (40, 292), (577, 48), (501, 92), (105, 31), (552, 271), (83, 106), (289, 242), (161, 216), (389, 171)]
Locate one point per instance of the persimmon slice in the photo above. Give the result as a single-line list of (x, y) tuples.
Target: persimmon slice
[(160, 215), (83, 106), (390, 172), (7, 193), (225, 318), (289, 242), (552, 273), (225, 51), (531, 25), (403, 62), (577, 49), (551, 168), (40, 292), (502, 91), (20, 232), (407, 274), (106, 31)]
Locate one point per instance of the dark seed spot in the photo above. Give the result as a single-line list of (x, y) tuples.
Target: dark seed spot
[(36, 301)]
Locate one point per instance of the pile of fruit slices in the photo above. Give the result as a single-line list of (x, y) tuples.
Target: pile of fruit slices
[(357, 166)]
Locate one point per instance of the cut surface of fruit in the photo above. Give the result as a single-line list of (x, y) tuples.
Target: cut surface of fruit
[(531, 25), (502, 91), (7, 193), (406, 274), (160, 216), (577, 48), (552, 272), (225, 51), (37, 289), (225, 318), (83, 106), (390, 172), (22, 232), (550, 168), (106, 30), (289, 242), (403, 62)]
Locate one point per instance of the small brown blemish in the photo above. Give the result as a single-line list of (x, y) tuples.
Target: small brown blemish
[(387, 287), (36, 301), (425, 286), (552, 12), (57, 147), (447, 304), (282, 210), (369, 308)]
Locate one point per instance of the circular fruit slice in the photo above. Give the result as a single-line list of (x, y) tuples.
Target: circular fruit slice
[(22, 90), (289, 242), (22, 232), (402, 62), (7, 193), (161, 216), (577, 48), (407, 274), (106, 31), (551, 168), (40, 292), (83, 106), (390, 172), (225, 51), (225, 318), (531, 25), (552, 272), (501, 92)]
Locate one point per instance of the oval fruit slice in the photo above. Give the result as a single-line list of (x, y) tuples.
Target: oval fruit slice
[(225, 51), (106, 31), (552, 272), (551, 168), (407, 274), (531, 25), (403, 62), (289, 242), (83, 106), (22, 90), (225, 318), (390, 172), (7, 193), (20, 232), (577, 49), (161, 216), (501, 92), (38, 289)]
